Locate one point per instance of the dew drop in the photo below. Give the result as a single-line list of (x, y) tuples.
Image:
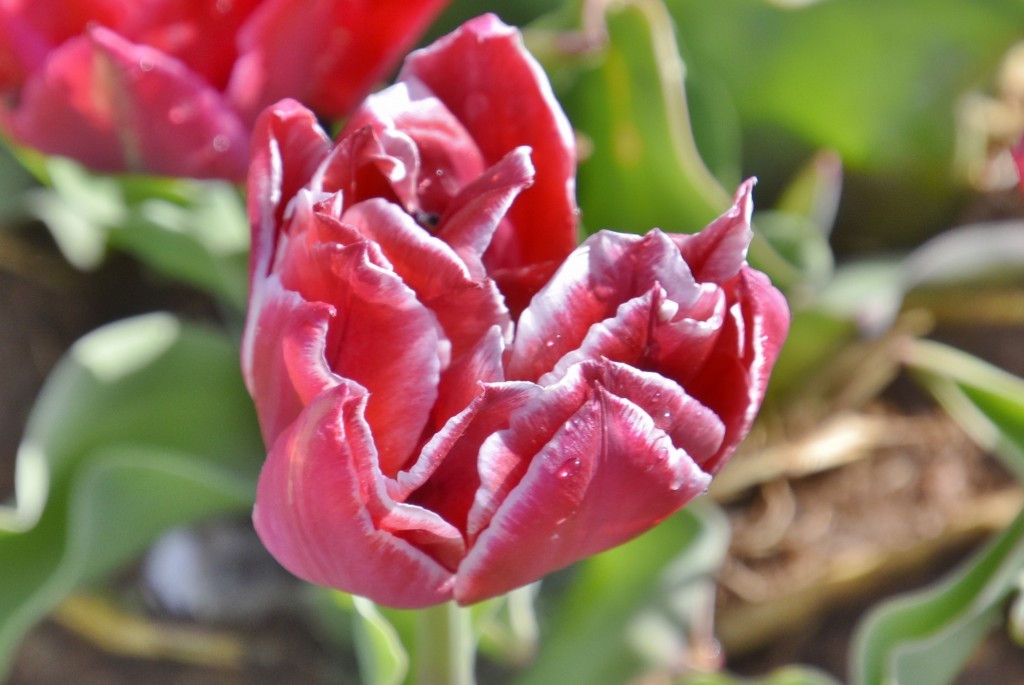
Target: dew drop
[(667, 415), (145, 64), (221, 143), (569, 468), (179, 114)]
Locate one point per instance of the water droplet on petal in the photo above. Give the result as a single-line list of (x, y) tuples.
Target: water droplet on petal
[(145, 64), (221, 143), (569, 468), (179, 114)]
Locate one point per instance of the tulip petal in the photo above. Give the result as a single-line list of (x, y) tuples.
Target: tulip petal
[(367, 164), (735, 375), (466, 307), (448, 156), (327, 53), (717, 253), (607, 270), (288, 146), (462, 382), (323, 512), (472, 216), (184, 30), (606, 475), (284, 365), (650, 332), (115, 105), (400, 368), (543, 219), (445, 479)]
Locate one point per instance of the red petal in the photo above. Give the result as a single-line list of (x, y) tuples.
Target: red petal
[(466, 308), (117, 106), (386, 340), (603, 273), (462, 382), (448, 157), (735, 376), (366, 164), (717, 253), (445, 479), (471, 218), (606, 475), (322, 510), (327, 53), (515, 109), (184, 31), (288, 146), (282, 354)]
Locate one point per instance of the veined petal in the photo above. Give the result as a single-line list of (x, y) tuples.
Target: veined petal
[(606, 271), (466, 307), (606, 475), (501, 114), (399, 369), (652, 332), (368, 164), (735, 374), (288, 146), (327, 53), (323, 512), (448, 156), (116, 105), (445, 478), (283, 359), (717, 253), (472, 217), (463, 380)]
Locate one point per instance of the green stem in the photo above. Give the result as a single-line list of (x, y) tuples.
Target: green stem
[(445, 650)]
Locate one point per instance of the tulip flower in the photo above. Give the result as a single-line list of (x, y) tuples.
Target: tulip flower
[(456, 398), (173, 87)]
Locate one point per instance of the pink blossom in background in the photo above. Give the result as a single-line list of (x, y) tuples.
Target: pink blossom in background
[(456, 398), (173, 86)]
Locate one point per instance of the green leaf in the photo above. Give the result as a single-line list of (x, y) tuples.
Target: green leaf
[(874, 80), (507, 626), (144, 424), (815, 338), (203, 243), (636, 607), (790, 675), (987, 401), (641, 168), (924, 638), (15, 181), (382, 657), (644, 169), (193, 231)]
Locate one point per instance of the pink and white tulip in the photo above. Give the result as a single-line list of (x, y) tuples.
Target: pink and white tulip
[(457, 398)]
